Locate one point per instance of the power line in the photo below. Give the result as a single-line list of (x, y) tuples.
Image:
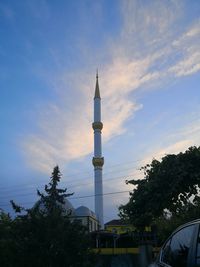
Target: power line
[(81, 197), (105, 194), (69, 187), (80, 173), (84, 178)]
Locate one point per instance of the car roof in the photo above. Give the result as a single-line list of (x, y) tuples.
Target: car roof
[(197, 221), (187, 224), (181, 227)]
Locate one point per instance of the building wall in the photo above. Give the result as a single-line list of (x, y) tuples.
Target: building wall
[(88, 221), (122, 229)]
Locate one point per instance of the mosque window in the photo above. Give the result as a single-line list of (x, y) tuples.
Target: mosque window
[(114, 230), (90, 226)]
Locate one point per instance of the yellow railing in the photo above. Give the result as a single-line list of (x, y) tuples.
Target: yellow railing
[(113, 251)]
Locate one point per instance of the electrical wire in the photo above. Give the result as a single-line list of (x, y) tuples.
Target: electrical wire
[(69, 187), (80, 197), (75, 175), (76, 181)]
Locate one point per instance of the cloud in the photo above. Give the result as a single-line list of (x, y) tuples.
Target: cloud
[(174, 148), (153, 29), (187, 66), (147, 51), (188, 44), (176, 141), (64, 136), (149, 23)]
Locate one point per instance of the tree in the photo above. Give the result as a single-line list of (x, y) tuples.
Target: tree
[(167, 224), (44, 236), (169, 187), (7, 248), (54, 198)]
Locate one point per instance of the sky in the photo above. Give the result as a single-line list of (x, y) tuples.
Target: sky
[(148, 58)]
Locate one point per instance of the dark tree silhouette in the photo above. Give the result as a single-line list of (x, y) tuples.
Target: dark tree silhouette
[(45, 237), (170, 185)]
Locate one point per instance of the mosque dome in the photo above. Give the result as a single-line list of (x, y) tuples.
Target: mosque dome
[(67, 207), (84, 211)]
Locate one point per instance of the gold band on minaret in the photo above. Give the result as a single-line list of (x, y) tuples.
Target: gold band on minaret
[(98, 162), (97, 125)]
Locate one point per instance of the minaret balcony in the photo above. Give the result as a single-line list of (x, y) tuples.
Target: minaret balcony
[(98, 162), (97, 125)]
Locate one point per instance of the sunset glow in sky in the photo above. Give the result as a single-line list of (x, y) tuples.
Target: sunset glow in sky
[(148, 56)]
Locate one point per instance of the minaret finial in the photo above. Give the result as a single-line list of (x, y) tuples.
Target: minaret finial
[(97, 92)]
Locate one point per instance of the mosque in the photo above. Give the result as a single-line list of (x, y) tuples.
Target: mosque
[(93, 221)]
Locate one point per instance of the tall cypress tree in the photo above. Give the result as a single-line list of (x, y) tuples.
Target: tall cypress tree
[(54, 198)]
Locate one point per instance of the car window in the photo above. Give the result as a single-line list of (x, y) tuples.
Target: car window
[(175, 251)]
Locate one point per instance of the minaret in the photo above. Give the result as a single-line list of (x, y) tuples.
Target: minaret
[(98, 160)]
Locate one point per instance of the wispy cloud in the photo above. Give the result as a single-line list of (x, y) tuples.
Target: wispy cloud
[(187, 45), (147, 51), (176, 141)]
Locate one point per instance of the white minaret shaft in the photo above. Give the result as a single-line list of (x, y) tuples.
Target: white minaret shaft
[(98, 160)]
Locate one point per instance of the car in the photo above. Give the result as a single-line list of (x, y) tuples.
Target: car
[(182, 248)]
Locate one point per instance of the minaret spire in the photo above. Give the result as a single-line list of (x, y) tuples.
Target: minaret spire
[(97, 92), (98, 160)]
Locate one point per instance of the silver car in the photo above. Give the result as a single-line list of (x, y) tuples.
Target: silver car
[(182, 248)]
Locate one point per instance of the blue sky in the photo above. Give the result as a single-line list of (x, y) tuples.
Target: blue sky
[(148, 56)]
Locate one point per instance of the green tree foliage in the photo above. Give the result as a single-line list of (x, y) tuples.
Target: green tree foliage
[(44, 236), (171, 185), (7, 247), (167, 224), (54, 198)]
